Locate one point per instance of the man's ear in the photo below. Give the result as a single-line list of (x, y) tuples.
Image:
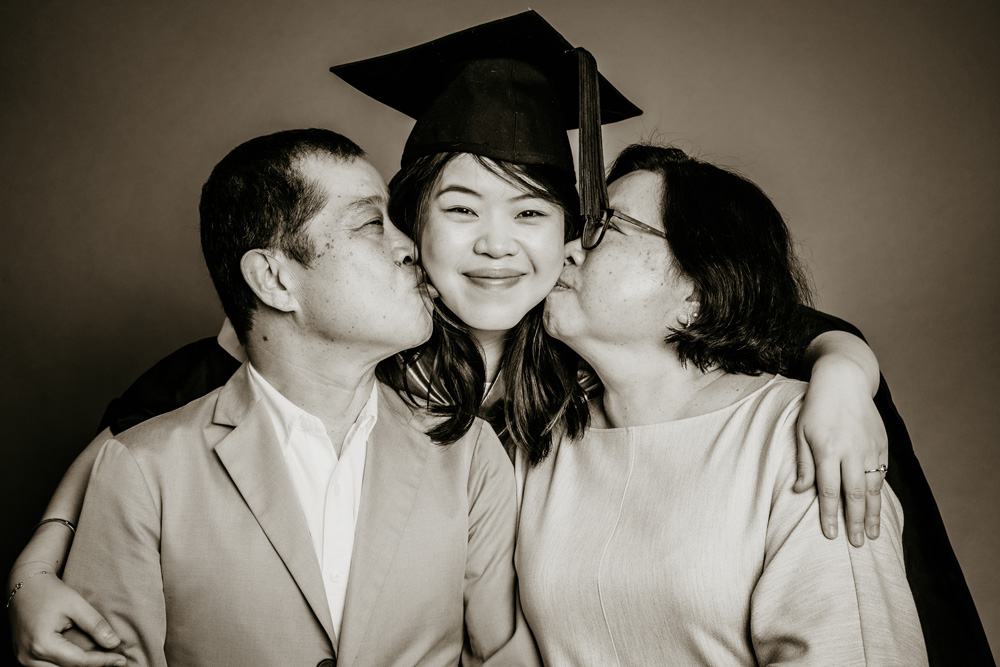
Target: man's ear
[(269, 278)]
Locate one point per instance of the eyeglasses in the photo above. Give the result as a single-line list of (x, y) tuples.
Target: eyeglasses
[(593, 231)]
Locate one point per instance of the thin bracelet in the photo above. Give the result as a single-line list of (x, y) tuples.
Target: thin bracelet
[(65, 522), (21, 583)]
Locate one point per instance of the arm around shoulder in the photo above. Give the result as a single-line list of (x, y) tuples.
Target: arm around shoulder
[(51, 541), (115, 559), (47, 605), (840, 433)]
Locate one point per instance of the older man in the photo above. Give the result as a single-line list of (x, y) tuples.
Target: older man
[(299, 515)]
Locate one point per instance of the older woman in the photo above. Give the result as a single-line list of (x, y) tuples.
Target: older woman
[(670, 533)]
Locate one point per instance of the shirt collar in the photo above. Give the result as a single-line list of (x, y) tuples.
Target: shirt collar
[(230, 342), (287, 416)]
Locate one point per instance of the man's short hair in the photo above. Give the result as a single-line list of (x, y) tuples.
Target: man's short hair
[(258, 198)]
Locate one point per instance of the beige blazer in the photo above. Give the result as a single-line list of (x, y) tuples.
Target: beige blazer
[(193, 545)]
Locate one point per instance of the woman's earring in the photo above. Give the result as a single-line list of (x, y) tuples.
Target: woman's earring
[(689, 318)]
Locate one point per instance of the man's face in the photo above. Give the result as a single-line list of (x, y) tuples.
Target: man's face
[(361, 290)]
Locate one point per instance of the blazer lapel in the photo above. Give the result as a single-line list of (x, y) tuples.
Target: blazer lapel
[(253, 459), (394, 466)]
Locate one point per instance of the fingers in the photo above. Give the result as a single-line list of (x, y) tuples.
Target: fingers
[(805, 466), (52, 625), (826, 477), (855, 498), (828, 488), (873, 505), (57, 650), (862, 494), (86, 618)]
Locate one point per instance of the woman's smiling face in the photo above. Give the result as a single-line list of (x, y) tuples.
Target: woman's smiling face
[(493, 250)]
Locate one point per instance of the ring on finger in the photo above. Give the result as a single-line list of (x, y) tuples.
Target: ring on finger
[(882, 469)]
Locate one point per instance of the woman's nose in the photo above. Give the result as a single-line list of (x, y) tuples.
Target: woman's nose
[(496, 240)]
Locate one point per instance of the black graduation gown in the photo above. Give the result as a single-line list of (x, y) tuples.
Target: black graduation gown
[(952, 630)]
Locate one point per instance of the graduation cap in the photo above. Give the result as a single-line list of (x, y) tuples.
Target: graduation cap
[(507, 90)]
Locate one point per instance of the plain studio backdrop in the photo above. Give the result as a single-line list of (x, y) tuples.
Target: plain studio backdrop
[(872, 125)]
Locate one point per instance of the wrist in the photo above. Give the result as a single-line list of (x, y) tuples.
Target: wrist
[(16, 587), (21, 570), (843, 371), (47, 549)]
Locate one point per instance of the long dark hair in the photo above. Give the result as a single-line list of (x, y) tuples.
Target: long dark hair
[(731, 241), (540, 373)]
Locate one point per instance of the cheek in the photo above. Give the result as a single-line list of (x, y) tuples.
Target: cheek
[(628, 290), (439, 249), (547, 251)]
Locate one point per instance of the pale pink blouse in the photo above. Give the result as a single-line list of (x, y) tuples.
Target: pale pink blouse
[(683, 543)]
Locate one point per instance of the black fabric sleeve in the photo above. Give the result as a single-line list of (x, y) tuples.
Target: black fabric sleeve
[(952, 630), (179, 378), (814, 323)]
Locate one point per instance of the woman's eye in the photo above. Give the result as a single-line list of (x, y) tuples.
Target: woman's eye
[(531, 214), (460, 210), (376, 222)]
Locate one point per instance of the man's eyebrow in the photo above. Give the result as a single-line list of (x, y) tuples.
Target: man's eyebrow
[(371, 201)]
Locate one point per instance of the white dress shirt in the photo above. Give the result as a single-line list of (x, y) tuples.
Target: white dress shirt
[(230, 342), (329, 488)]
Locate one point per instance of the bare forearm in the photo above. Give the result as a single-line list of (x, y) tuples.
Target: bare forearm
[(48, 546), (839, 349)]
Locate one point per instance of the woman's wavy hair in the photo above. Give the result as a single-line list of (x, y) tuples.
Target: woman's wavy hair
[(540, 373), (730, 240)]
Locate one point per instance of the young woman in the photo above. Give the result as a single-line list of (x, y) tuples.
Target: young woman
[(671, 529), (490, 232), (489, 198)]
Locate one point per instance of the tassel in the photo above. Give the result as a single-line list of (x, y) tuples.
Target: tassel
[(593, 186)]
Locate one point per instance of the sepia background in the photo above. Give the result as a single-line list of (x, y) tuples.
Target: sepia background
[(872, 125)]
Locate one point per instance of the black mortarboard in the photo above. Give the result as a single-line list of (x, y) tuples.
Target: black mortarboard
[(507, 90)]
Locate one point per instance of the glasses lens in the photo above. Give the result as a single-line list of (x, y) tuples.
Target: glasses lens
[(592, 230)]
